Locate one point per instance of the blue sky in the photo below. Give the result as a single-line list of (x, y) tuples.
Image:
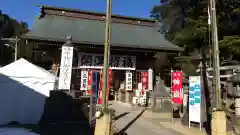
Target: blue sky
[(26, 10)]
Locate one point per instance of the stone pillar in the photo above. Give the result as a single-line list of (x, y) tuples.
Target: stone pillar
[(119, 95), (129, 96), (122, 95), (219, 123), (236, 119), (237, 103), (237, 107)]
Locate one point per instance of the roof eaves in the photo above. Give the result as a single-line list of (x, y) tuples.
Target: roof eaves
[(98, 43), (96, 13)]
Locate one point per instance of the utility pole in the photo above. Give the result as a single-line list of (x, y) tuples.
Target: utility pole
[(15, 40), (216, 56), (16, 49), (104, 121), (218, 125), (106, 54)]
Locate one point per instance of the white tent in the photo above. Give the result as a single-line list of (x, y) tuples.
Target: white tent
[(23, 90), (15, 131)]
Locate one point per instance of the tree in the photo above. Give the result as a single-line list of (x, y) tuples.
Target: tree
[(193, 30), (9, 27)]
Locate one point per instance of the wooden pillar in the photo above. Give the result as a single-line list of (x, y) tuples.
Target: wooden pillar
[(28, 51), (25, 49)]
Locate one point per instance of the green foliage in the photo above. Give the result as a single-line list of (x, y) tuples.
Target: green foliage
[(9, 27), (192, 30), (231, 44)]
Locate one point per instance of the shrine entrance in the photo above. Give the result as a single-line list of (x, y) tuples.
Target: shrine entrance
[(118, 82)]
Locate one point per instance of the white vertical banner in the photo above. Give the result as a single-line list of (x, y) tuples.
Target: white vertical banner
[(84, 79), (209, 16), (194, 99), (150, 79), (66, 68), (128, 80)]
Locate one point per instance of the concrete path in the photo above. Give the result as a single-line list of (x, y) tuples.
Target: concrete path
[(128, 121)]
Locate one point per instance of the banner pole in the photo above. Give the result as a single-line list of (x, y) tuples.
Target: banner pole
[(200, 123), (171, 98), (182, 93), (188, 103), (90, 109)]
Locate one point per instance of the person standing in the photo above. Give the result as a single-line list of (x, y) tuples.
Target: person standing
[(54, 66)]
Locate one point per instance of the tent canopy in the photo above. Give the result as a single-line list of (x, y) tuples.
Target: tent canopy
[(24, 89), (24, 69)]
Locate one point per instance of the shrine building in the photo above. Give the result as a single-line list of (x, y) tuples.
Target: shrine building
[(134, 45)]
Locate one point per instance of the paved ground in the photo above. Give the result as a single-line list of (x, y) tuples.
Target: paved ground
[(130, 122)]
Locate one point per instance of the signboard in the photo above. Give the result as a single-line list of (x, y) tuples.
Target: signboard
[(84, 79), (88, 60), (128, 80), (177, 96), (150, 79), (195, 99), (66, 68)]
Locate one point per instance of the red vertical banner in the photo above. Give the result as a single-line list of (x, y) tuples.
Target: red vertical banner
[(101, 85), (100, 88), (177, 87), (144, 82), (89, 88), (109, 81)]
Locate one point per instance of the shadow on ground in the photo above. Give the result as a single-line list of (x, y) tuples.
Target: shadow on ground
[(64, 115), (120, 116), (123, 130)]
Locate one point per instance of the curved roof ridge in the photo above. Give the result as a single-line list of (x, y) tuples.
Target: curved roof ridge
[(96, 13)]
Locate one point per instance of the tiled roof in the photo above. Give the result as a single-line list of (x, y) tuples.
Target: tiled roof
[(86, 31)]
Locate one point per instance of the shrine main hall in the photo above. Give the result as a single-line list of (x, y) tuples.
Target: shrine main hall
[(134, 45)]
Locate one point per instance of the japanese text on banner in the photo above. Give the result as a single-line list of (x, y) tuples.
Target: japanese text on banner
[(66, 68), (84, 80), (128, 80), (177, 87)]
